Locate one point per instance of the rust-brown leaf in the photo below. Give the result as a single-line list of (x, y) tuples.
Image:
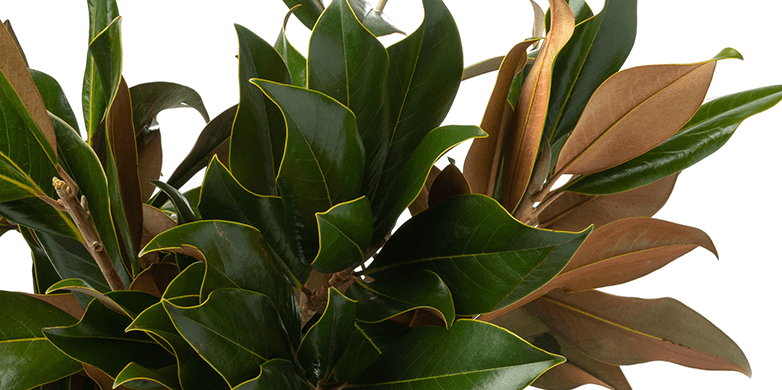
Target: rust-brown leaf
[(521, 150), (621, 331), (155, 278), (581, 369), (11, 32), (421, 202), (628, 249), (483, 160), (155, 222), (150, 163), (519, 321), (101, 378), (14, 67), (575, 212), (65, 302), (450, 182), (634, 111)]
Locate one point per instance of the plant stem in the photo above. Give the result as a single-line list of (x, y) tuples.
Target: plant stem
[(67, 190), (380, 5)]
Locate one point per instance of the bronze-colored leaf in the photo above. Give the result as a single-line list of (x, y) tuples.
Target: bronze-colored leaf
[(155, 278), (11, 32), (621, 331), (628, 249), (155, 222), (519, 321), (450, 182), (421, 202), (65, 302), (539, 23), (103, 380), (14, 68), (521, 150), (580, 369), (574, 212), (483, 160), (633, 111), (150, 163)]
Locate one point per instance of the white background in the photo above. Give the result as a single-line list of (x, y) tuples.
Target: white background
[(732, 195)]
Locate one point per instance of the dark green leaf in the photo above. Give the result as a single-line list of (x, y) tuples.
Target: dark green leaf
[(325, 341), (395, 294), (344, 233), (365, 345), (71, 260), (308, 12), (463, 361), (149, 99), (137, 376), (97, 338), (240, 253), (44, 274), (597, 50), (278, 374), (187, 283), (412, 176), (54, 99), (27, 359), (125, 302), (710, 128), (36, 214), (324, 158), (375, 21), (487, 258), (222, 197), (186, 213), (349, 64), (94, 99), (214, 137), (297, 63), (233, 325), (258, 134)]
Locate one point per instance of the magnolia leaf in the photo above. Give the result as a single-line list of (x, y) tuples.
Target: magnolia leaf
[(483, 67), (374, 20), (258, 133), (622, 119), (325, 341), (538, 23), (581, 12), (136, 376), (365, 345), (392, 295), (72, 261), (519, 321), (474, 245), (278, 374), (297, 63), (97, 337), (340, 42), (462, 361), (101, 379), (241, 254), (11, 32), (344, 234), (521, 148), (574, 212), (128, 303), (233, 325), (413, 175), (94, 99), (34, 213), (597, 50), (621, 331), (149, 99), (710, 128), (450, 182), (150, 162), (421, 202), (155, 222), (222, 197), (155, 279), (54, 99), (424, 75), (186, 213), (324, 157), (213, 137), (44, 274), (307, 12), (27, 359)]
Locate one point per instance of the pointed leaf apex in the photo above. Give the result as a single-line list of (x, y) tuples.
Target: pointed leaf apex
[(728, 52)]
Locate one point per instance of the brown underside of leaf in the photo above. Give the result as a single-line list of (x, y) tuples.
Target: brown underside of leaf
[(632, 112), (64, 302), (11, 32), (521, 150), (482, 162), (566, 376), (621, 331), (14, 67), (155, 278), (101, 378), (421, 202), (150, 163), (519, 321), (575, 212), (155, 222), (450, 182)]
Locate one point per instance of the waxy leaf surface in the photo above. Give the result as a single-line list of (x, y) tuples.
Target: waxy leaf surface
[(325, 341), (136, 376), (297, 63), (276, 374), (308, 11), (149, 99), (344, 233), (94, 99), (54, 99), (186, 213)]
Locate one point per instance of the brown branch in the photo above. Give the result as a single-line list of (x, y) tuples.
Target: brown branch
[(69, 202)]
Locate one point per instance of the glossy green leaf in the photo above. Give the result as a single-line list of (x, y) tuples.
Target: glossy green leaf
[(136, 376), (258, 133), (375, 21), (78, 158), (308, 12), (106, 52), (36, 214), (72, 261), (187, 283), (366, 343), (222, 197), (125, 302), (710, 128), (349, 64), (597, 50), (54, 99), (233, 325), (94, 99), (278, 374), (27, 359), (463, 360), (425, 73), (297, 63), (100, 334), (325, 341), (214, 137), (412, 176), (149, 99), (345, 234), (324, 157), (44, 274), (487, 258), (186, 213), (240, 253)]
